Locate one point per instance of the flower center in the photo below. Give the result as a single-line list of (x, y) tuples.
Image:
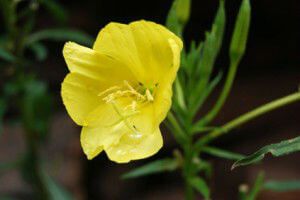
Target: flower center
[(127, 100)]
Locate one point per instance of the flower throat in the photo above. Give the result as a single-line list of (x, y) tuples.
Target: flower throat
[(128, 100)]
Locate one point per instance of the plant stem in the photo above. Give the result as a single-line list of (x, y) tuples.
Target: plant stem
[(247, 117), (32, 171), (184, 138), (188, 171), (176, 128)]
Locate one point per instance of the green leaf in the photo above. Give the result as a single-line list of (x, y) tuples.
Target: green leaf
[(222, 153), (36, 107), (39, 50), (207, 58), (257, 187), (55, 9), (192, 59), (278, 149), (6, 55), (282, 186), (237, 49), (240, 33), (200, 185), (158, 166), (212, 85), (179, 94), (201, 129), (56, 192), (60, 35), (203, 166)]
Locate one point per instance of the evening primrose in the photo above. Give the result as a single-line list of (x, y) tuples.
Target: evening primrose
[(120, 90)]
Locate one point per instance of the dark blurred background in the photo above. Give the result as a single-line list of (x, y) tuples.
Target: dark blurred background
[(269, 70)]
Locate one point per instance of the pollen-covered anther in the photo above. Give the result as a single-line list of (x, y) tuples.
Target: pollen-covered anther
[(116, 92)]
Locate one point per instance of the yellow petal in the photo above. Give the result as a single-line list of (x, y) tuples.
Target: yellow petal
[(91, 73), (106, 127), (79, 94), (105, 130), (163, 98), (95, 65), (143, 46), (134, 148)]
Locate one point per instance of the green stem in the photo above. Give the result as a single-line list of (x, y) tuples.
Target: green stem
[(247, 117), (188, 172), (184, 138), (176, 128), (32, 170)]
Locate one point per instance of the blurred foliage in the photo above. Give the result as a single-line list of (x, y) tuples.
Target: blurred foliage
[(23, 93), (221, 153), (282, 186), (157, 166)]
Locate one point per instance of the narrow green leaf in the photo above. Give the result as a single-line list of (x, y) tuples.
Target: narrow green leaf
[(210, 88), (200, 185), (278, 149), (35, 95), (39, 50), (179, 95), (209, 53), (237, 50), (200, 129), (257, 187), (204, 166), (222, 153), (56, 192), (240, 33), (158, 166), (282, 186), (192, 60), (60, 35), (6, 55)]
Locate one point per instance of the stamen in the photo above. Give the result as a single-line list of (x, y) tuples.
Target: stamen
[(108, 90), (138, 98), (128, 85)]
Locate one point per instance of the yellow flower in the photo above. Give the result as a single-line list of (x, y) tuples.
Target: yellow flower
[(121, 89)]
